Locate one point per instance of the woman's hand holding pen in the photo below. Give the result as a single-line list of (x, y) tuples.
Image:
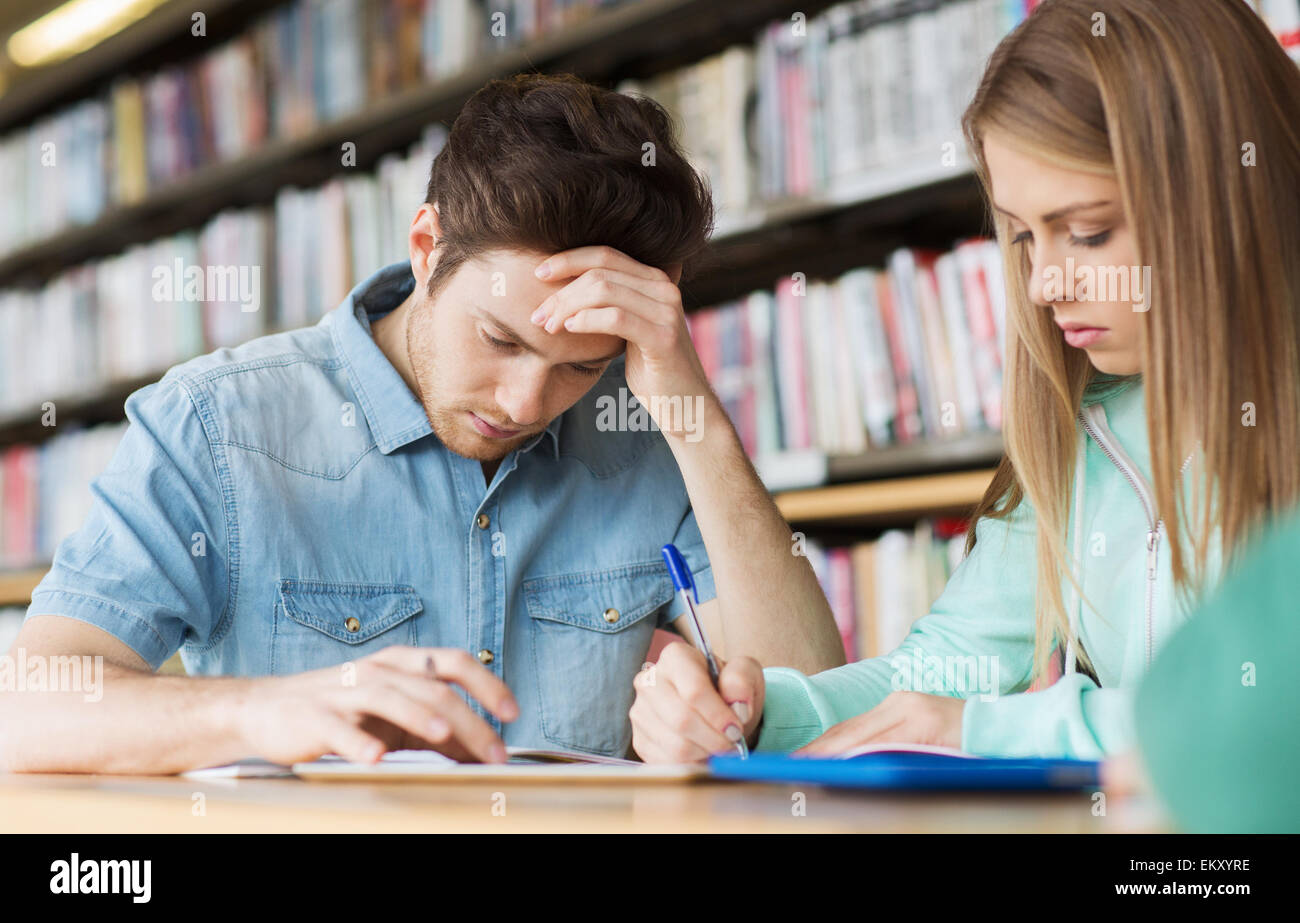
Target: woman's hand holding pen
[(400, 698), (678, 717)]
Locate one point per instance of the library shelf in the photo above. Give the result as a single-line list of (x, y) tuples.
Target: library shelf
[(19, 425), (905, 174), (882, 501), (16, 585)]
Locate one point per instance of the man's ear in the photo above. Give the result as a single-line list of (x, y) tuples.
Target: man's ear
[(422, 240)]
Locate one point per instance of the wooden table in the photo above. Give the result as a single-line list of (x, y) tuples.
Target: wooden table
[(144, 804)]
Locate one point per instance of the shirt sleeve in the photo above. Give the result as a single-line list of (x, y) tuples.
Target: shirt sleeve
[(151, 564), (977, 642)]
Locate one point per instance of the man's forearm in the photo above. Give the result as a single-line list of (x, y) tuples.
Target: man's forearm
[(143, 723), (773, 608)]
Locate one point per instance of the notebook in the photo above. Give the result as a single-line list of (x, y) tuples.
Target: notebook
[(912, 766)]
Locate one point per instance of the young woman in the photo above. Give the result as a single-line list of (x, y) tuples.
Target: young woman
[(1141, 161)]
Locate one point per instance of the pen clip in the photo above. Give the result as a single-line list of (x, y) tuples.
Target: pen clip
[(679, 570)]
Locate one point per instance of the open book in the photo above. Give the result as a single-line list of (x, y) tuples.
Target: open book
[(429, 765), (522, 763), (906, 748)]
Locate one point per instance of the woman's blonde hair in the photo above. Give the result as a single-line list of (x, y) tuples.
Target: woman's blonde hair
[(1193, 108)]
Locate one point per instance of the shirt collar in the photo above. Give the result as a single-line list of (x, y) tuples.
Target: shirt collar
[(394, 414), (553, 432)]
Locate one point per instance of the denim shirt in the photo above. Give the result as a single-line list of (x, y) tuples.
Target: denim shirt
[(285, 506)]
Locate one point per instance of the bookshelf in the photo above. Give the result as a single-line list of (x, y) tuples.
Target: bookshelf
[(16, 586), (885, 501)]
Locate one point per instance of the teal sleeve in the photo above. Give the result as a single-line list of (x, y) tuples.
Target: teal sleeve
[(977, 640), (1071, 718), (1218, 716), (794, 710)]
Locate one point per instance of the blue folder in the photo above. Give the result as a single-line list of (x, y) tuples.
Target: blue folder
[(895, 770)]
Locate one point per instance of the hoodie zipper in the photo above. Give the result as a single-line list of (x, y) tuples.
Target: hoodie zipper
[(1153, 525)]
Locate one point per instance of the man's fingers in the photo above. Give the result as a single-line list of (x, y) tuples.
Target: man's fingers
[(459, 667), (587, 294), (569, 263), (467, 728), (350, 742), (408, 741), (615, 321), (418, 715)]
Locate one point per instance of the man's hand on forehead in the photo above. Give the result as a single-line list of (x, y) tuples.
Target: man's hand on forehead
[(604, 278), (613, 294)]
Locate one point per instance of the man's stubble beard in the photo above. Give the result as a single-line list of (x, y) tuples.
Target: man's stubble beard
[(449, 425)]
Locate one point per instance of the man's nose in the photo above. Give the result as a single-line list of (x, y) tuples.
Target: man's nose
[(521, 398)]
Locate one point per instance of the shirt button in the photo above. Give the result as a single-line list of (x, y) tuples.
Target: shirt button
[(485, 656), (482, 520), (611, 615), (352, 624)]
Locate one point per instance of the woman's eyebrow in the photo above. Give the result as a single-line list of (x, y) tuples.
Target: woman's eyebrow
[(1060, 212)]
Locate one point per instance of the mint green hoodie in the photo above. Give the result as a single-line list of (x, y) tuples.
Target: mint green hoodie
[(978, 640)]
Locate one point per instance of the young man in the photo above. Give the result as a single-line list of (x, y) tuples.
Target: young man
[(433, 519)]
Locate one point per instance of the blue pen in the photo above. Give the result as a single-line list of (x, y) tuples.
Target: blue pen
[(684, 581)]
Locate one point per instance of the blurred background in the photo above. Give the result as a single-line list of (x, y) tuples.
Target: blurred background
[(851, 317)]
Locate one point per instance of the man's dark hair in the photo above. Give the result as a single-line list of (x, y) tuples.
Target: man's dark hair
[(551, 162)]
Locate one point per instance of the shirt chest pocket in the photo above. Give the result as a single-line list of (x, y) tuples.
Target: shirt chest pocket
[(590, 635), (320, 623)]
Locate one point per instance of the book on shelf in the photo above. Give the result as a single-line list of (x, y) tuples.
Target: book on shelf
[(877, 589), (1283, 17), (863, 87), (869, 359), (46, 491)]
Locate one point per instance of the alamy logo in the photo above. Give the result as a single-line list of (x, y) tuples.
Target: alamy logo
[(965, 675), (1098, 283), (103, 876), (21, 672), (218, 285), (671, 413)]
